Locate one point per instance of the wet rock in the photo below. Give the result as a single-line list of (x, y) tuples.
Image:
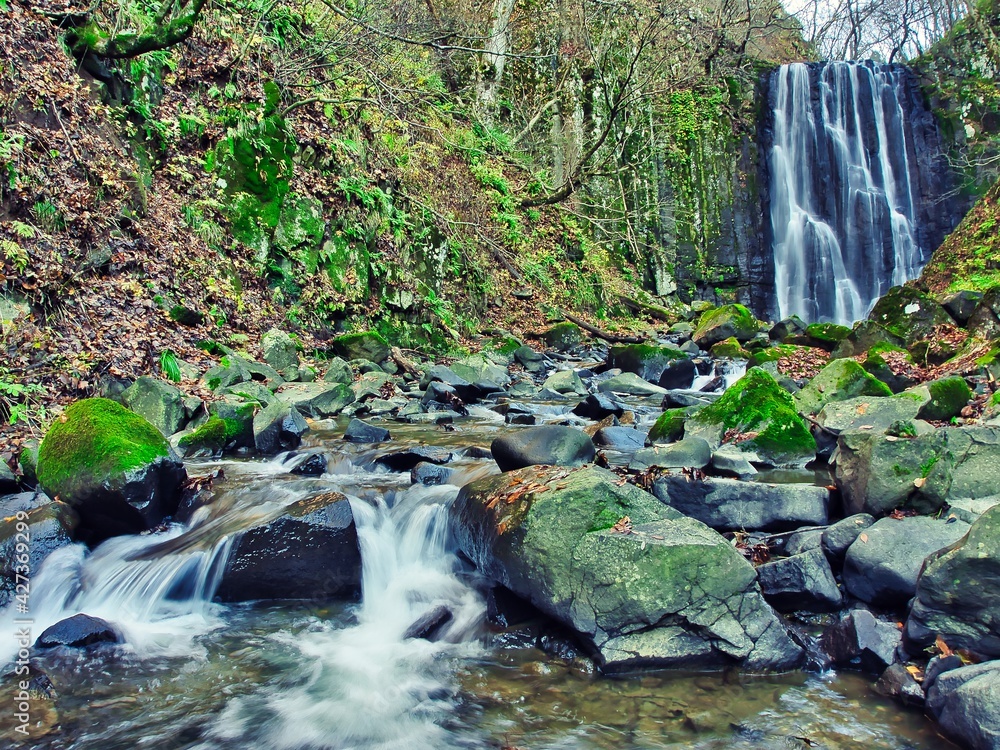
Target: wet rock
[(730, 461), (51, 525), (278, 427), (430, 474), (159, 402), (801, 582), (678, 374), (624, 439), (803, 540), (735, 505), (314, 465), (838, 381), (480, 368), (551, 445), (316, 400), (309, 552), (897, 683), (861, 640), (669, 426), (115, 469), (598, 406), (689, 453), (407, 458), (725, 322), (838, 537), (644, 360), (909, 314), (631, 385), (626, 593), (238, 415), (938, 665), (280, 353), (431, 624), (362, 432), (686, 399), (792, 326), (234, 369), (338, 371), (966, 704), (957, 596), (27, 461), (366, 345), (563, 336), (530, 360), (8, 482), (882, 564), (565, 382), (78, 631)]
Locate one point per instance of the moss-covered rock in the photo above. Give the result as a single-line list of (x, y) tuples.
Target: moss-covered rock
[(233, 369), (27, 460), (875, 364), (729, 349), (764, 414), (300, 230), (211, 437), (367, 345), (668, 427), (563, 336), (909, 314), (865, 335), (645, 360), (774, 353), (838, 381), (112, 466), (826, 335), (280, 353), (723, 323), (665, 594), (948, 396), (161, 403)]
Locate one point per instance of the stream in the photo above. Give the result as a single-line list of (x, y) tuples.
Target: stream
[(198, 674)]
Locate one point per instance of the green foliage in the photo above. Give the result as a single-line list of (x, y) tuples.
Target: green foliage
[(20, 401), (16, 254), (169, 366), (48, 217)]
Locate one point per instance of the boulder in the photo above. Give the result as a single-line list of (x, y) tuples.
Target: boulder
[(280, 353), (985, 319), (729, 349), (624, 439), (563, 336), (313, 465), (909, 314), (550, 445), (838, 537), (479, 368), (309, 552), (278, 427), (764, 416), (367, 345), (212, 437), (966, 704), (679, 373), (957, 596), (316, 400), (645, 360), (631, 385), (566, 382), (802, 582), (51, 525), (338, 371), (838, 381), (408, 458), (362, 432), (866, 335), (725, 322), (159, 402), (233, 369), (734, 505), (27, 461), (639, 583), (78, 631), (115, 469), (599, 406), (896, 682), (859, 639), (958, 466), (427, 473), (729, 461), (873, 414), (786, 327), (669, 426), (238, 415), (961, 305), (8, 482), (882, 565), (947, 397), (689, 453)]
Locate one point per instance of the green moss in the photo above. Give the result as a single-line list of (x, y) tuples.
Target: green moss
[(756, 403), (742, 321), (948, 397), (729, 349), (774, 353), (838, 381), (214, 435), (827, 333), (669, 426), (95, 440), (563, 336)]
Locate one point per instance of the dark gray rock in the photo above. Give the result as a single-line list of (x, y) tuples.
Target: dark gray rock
[(961, 305), (597, 406), (730, 461), (624, 439), (406, 459), (938, 665), (551, 445), (309, 552), (51, 525), (161, 403), (732, 504), (803, 582), (838, 537), (278, 427), (78, 631), (631, 385), (362, 432), (859, 639), (8, 482), (803, 540), (689, 453), (430, 474), (530, 360), (314, 465), (430, 625), (680, 373), (565, 382), (882, 565), (317, 400), (338, 371), (683, 399), (897, 683), (966, 704), (792, 326)]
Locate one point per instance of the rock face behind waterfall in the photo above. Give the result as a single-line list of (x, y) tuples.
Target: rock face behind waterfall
[(643, 584), (856, 171)]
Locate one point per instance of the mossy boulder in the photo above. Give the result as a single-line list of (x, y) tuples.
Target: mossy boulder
[(367, 345), (668, 427), (112, 466), (28, 461), (670, 592), (238, 414), (161, 403), (280, 353), (233, 369), (212, 437), (838, 381), (948, 396), (865, 335), (563, 336), (728, 321), (645, 360), (909, 314), (478, 368), (729, 349), (300, 230), (875, 364), (825, 335), (780, 351), (764, 415)]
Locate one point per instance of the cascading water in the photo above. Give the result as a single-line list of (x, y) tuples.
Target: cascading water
[(843, 201)]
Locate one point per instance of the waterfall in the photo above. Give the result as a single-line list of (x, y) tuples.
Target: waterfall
[(843, 196)]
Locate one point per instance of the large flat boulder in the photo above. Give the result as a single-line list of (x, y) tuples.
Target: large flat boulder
[(641, 584), (549, 445)]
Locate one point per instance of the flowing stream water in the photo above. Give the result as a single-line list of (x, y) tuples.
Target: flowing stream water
[(198, 674)]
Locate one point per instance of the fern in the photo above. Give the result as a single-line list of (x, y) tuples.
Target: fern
[(168, 364)]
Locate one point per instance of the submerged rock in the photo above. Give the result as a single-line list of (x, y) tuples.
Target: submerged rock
[(550, 445), (309, 552), (642, 584), (115, 469)]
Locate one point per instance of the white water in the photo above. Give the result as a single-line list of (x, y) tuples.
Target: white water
[(842, 204), (365, 686)]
